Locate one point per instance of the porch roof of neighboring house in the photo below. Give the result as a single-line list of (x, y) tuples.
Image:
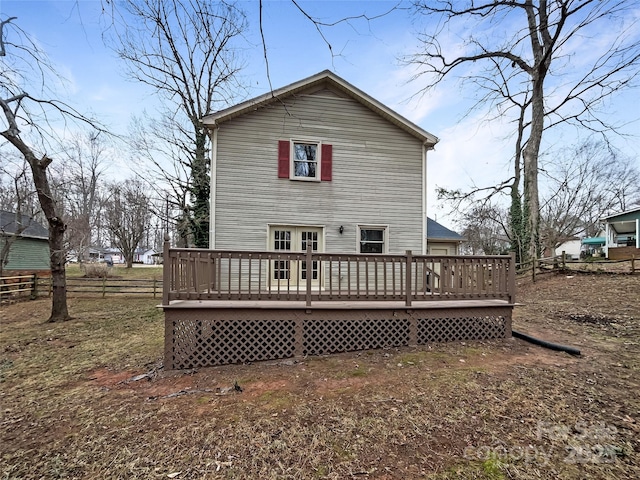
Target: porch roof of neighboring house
[(318, 80), (624, 222), (34, 229), (594, 241), (437, 232)]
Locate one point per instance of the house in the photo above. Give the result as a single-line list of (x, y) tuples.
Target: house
[(441, 240), (592, 246), (28, 244), (622, 235), (571, 247), (146, 256), (317, 238), (318, 160)]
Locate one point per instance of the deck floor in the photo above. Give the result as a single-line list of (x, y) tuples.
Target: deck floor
[(333, 305)]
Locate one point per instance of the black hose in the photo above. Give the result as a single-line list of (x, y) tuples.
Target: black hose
[(544, 343)]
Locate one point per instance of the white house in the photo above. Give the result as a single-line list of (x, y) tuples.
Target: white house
[(571, 247), (146, 256), (318, 161)]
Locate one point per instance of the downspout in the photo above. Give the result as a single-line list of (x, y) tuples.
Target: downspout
[(637, 232), (607, 234), (214, 175)]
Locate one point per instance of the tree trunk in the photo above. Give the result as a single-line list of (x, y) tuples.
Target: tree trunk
[(57, 227), (59, 311), (530, 167), (200, 191), (516, 212)]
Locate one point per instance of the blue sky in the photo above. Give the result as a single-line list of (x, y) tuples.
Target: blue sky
[(470, 151)]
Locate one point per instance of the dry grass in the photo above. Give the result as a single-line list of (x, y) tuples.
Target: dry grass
[(485, 410)]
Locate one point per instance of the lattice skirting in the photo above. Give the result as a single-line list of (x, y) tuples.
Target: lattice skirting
[(206, 337)]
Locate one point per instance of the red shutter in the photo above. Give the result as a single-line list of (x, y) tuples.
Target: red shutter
[(283, 159), (327, 162)]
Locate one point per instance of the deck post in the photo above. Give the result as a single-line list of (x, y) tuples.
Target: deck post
[(511, 285), (34, 287), (407, 283), (166, 271), (168, 342), (309, 271)]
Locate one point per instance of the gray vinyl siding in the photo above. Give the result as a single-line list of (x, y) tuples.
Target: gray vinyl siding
[(376, 176), (28, 254)]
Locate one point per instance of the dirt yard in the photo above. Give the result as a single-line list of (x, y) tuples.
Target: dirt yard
[(89, 399)]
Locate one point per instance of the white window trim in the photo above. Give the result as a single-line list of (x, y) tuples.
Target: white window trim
[(385, 237), (292, 169)]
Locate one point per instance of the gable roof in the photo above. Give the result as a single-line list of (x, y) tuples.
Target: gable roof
[(330, 79), (34, 229), (435, 231), (623, 216)]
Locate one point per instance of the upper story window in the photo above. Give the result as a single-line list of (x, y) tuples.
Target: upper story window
[(373, 239), (301, 160), (305, 161)]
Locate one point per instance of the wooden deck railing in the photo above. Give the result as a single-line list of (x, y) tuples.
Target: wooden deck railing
[(200, 274)]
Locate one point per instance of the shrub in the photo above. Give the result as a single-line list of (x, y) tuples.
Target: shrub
[(96, 270)]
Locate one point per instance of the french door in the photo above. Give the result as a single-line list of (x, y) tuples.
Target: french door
[(295, 239)]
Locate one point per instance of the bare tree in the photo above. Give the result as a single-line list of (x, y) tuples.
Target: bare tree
[(580, 188), (83, 169), (27, 128), (518, 56), (184, 50), (128, 216), (485, 228), (16, 186), (156, 141), (13, 223)]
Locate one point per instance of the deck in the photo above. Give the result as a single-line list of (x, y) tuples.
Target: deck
[(226, 307)]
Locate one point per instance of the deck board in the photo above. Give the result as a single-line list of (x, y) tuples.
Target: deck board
[(333, 305)]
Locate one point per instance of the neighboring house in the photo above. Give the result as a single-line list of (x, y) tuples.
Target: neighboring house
[(318, 162), (29, 244), (146, 256), (113, 254), (91, 254), (441, 240), (622, 235), (592, 246), (571, 248)]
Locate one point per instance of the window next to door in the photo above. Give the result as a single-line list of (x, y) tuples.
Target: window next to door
[(372, 239)]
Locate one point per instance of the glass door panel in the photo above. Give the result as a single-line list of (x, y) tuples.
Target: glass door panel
[(294, 239)]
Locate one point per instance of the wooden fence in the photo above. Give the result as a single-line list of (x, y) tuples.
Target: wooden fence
[(564, 262), (19, 286), (33, 286)]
